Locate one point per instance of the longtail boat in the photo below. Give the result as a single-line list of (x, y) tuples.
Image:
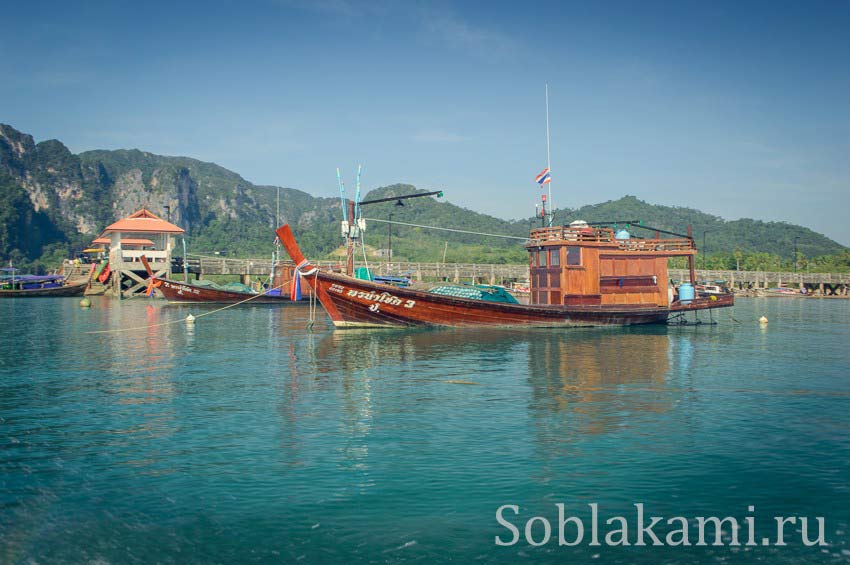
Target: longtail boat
[(176, 291), (32, 286), (581, 275)]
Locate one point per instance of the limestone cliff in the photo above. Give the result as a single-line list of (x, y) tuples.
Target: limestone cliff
[(75, 196)]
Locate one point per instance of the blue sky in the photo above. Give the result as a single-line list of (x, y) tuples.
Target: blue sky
[(741, 109)]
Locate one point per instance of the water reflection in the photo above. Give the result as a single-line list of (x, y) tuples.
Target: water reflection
[(583, 374), (409, 377), (363, 349), (602, 380), (136, 370), (249, 435)]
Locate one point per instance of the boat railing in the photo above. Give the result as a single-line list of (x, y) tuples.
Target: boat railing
[(130, 259), (566, 233), (134, 255), (606, 235), (656, 244)]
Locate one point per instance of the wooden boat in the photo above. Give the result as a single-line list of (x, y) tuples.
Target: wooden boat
[(176, 291), (781, 291), (31, 286), (711, 289), (580, 276)]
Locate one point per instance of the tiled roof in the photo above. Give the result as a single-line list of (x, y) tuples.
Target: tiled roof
[(142, 221), (132, 241)]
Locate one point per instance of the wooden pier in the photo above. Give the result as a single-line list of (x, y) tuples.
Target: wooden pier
[(824, 283), (201, 266)]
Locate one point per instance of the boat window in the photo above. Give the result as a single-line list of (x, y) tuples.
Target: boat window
[(574, 256), (542, 256), (554, 257), (542, 279)]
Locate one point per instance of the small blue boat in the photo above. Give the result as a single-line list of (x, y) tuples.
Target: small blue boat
[(13, 285)]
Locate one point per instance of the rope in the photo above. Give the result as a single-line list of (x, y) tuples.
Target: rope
[(449, 229), (311, 311), (119, 330), (312, 305), (363, 247)]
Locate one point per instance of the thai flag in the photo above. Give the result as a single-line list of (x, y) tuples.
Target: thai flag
[(543, 177)]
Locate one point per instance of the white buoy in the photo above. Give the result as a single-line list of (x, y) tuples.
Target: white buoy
[(763, 320), (190, 320), (85, 303)]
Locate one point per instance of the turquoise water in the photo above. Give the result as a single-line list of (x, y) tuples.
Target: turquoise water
[(250, 438)]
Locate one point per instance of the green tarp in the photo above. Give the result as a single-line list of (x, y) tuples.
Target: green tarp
[(479, 292)]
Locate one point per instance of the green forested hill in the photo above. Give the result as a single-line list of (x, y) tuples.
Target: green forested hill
[(753, 243), (418, 244), (745, 243), (743, 235), (52, 203)]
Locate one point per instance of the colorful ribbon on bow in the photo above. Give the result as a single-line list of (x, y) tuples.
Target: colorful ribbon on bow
[(295, 287), (153, 284)]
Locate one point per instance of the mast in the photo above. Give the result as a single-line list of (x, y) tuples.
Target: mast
[(354, 226), (185, 263), (342, 195), (357, 195), (349, 250), (346, 225), (549, 161), (276, 252)]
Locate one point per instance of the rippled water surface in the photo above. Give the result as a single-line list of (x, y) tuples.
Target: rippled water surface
[(250, 438)]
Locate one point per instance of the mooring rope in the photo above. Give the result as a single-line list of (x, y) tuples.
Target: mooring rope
[(363, 247), (449, 229), (312, 304)]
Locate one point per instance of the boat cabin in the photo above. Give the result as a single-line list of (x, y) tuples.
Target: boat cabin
[(585, 264)]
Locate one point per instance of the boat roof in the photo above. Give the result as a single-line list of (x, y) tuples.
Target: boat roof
[(142, 221), (35, 278)]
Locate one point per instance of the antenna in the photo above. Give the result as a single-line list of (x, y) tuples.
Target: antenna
[(341, 194), (357, 194), (352, 225), (549, 160)]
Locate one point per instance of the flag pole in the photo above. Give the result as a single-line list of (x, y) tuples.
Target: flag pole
[(549, 161)]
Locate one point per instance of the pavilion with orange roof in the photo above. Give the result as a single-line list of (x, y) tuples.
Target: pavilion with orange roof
[(140, 233)]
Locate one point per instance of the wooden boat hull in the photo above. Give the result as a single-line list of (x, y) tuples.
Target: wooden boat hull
[(76, 289), (353, 302), (176, 291), (356, 303)]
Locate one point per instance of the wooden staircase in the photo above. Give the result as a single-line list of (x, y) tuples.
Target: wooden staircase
[(77, 271)]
